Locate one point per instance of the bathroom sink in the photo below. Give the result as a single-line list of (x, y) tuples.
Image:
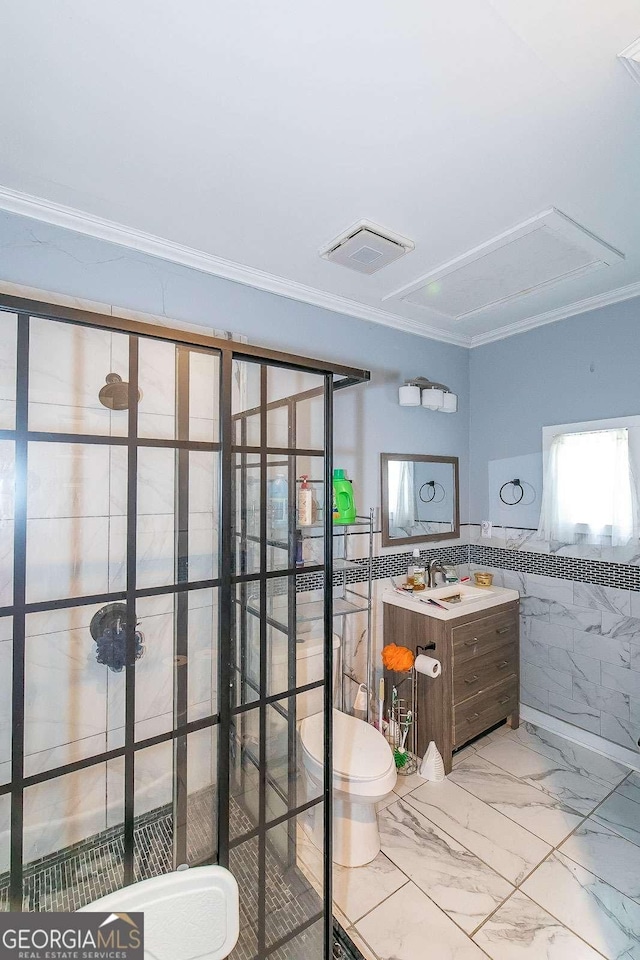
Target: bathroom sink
[(465, 592), (472, 599)]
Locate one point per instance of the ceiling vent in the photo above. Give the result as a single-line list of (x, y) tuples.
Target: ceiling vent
[(366, 247), (532, 255), (631, 59)]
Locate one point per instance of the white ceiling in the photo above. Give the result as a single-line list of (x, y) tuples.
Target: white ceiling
[(256, 132)]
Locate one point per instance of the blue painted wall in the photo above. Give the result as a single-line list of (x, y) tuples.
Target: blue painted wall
[(368, 418), (584, 368)]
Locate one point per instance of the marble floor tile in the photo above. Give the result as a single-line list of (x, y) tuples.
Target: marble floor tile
[(622, 815), (605, 918), (551, 776), (461, 755), (609, 856), (383, 804), (521, 930), (631, 787), (357, 890), (502, 731), (408, 926), (542, 815), (405, 785), (454, 878), (505, 846), (583, 761), (363, 947)]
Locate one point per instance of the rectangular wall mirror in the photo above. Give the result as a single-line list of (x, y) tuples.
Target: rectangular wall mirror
[(419, 498)]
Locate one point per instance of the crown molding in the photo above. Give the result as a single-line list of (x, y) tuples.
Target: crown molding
[(560, 313), (78, 221), (69, 218)]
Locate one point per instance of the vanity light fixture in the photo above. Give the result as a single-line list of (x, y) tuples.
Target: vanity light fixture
[(434, 396)]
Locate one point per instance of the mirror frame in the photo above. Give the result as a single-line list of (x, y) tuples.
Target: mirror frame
[(385, 458)]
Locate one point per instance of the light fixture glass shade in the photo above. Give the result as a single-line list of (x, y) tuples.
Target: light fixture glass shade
[(432, 398), (409, 396), (450, 403)]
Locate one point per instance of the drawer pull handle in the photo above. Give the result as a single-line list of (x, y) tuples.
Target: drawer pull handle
[(474, 716), (471, 679), (504, 700), (503, 630), (470, 642), (501, 666)]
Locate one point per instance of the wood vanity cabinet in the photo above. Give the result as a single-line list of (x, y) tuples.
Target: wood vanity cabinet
[(479, 683)]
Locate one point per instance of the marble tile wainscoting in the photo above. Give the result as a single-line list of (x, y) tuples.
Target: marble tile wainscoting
[(580, 635), (529, 850)]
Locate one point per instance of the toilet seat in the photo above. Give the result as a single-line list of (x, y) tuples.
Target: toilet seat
[(360, 752)]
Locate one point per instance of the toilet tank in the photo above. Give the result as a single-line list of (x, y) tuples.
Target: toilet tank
[(309, 667)]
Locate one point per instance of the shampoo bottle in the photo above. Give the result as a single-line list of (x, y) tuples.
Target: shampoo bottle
[(305, 504)]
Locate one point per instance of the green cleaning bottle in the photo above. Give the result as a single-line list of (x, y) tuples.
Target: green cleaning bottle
[(344, 507)]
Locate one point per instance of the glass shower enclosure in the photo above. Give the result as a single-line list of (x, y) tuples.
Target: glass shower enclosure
[(163, 628)]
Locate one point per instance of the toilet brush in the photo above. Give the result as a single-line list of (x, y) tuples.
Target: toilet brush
[(400, 754), (432, 766)]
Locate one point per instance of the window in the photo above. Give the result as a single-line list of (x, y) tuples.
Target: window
[(589, 489)]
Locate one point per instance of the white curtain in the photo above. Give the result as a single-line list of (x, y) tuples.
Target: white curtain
[(589, 490), (401, 493)]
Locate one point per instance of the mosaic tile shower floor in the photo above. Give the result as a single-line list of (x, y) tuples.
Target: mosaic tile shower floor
[(94, 868)]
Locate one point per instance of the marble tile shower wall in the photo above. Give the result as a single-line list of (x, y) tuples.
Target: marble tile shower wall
[(76, 546)]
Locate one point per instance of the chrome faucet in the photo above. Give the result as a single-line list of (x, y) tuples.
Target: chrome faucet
[(435, 567)]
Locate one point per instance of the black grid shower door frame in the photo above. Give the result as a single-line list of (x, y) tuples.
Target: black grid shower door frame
[(225, 584)]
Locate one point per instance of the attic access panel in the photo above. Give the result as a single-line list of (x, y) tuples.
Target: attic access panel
[(537, 253)]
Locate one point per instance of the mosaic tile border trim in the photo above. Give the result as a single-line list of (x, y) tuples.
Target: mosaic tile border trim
[(602, 572), (384, 565)]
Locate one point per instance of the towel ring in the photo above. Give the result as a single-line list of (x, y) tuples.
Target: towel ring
[(516, 485), (432, 499)]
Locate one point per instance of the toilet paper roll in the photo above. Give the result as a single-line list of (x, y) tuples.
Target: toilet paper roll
[(428, 666)]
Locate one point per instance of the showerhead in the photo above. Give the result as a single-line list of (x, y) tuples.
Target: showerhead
[(115, 394)]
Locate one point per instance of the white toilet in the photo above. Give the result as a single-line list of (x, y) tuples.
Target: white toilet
[(364, 770), (364, 773)]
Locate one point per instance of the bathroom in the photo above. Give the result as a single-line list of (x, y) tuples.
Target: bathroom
[(178, 686)]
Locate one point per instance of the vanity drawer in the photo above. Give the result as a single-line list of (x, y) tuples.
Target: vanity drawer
[(480, 712), (472, 675), (481, 636)]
